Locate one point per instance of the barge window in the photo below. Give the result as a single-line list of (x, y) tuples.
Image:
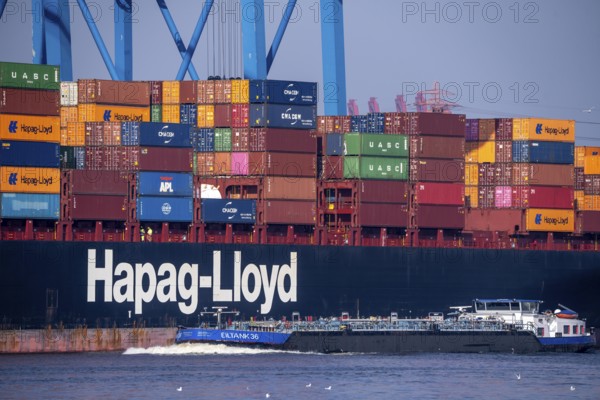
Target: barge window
[(540, 332), (575, 329), (566, 329), (498, 306), (529, 306), (514, 306), (479, 306)]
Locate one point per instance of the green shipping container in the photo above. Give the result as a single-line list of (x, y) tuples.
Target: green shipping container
[(29, 76), (156, 113), (222, 139), (367, 167), (366, 144)]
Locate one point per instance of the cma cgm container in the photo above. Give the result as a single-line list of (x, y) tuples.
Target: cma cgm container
[(29, 206), (375, 145), (283, 92), (165, 159), (156, 134), (281, 140), (283, 116), (229, 211), (29, 76), (554, 130), (30, 102), (127, 93), (95, 207), (549, 220), (367, 167), (165, 184), (30, 154), (164, 209), (97, 182), (29, 180), (30, 128), (543, 152)]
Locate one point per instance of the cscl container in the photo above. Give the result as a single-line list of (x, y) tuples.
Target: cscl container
[(188, 114), (543, 152), (72, 157), (436, 147), (30, 154), (228, 211), (165, 159), (549, 220), (203, 139), (159, 134), (68, 94), (222, 139), (282, 140), (472, 130), (444, 217), (164, 209), (382, 191), (112, 113), (382, 215), (543, 174), (29, 128), (29, 206), (94, 207), (283, 164), (490, 220), (289, 212), (176, 184), (98, 182), (127, 93), (30, 102), (539, 129), (29, 76), (376, 145), (288, 188), (439, 193), (29, 180), (283, 116), (283, 92), (368, 167), (436, 170)]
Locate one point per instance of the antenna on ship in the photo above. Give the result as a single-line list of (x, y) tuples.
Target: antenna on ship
[(357, 308)]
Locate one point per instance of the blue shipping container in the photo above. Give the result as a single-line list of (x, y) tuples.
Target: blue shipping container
[(30, 154), (279, 116), (172, 184), (283, 92), (188, 114), (229, 211), (375, 122), (155, 134), (359, 123), (165, 209), (30, 206), (334, 144), (543, 152), (203, 140)]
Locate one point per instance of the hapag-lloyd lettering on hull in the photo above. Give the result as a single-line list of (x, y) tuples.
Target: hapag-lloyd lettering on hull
[(141, 283)]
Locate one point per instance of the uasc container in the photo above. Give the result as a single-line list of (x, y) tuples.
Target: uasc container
[(29, 76), (367, 167), (375, 145)]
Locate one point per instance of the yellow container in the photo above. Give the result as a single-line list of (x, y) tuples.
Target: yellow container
[(473, 193), (240, 91), (579, 199), (591, 202), (579, 156), (206, 116), (549, 130), (471, 174), (68, 114), (93, 112), (170, 93), (549, 220), (75, 134), (29, 180), (31, 128), (591, 160), (471, 152), (171, 113), (486, 152)]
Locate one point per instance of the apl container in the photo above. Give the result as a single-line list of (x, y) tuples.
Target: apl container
[(170, 184), (158, 134), (228, 211), (29, 206), (30, 128), (376, 145), (29, 180), (283, 92), (165, 209), (368, 167), (543, 152), (29, 76), (30, 102), (283, 116), (30, 154), (548, 220)]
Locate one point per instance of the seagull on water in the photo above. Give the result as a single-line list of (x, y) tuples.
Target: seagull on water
[(179, 389), (328, 388), (572, 388), (518, 376), (309, 385), (267, 395)]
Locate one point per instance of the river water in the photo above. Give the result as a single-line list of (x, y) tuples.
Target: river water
[(216, 372)]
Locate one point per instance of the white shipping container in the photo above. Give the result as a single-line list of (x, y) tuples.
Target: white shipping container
[(68, 94)]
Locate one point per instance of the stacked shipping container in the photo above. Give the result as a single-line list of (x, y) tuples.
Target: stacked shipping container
[(587, 188)]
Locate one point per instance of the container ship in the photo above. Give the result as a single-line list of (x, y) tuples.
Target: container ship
[(149, 202)]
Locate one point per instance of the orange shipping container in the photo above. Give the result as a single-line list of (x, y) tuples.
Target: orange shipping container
[(171, 113), (579, 199), (591, 161), (591, 202), (75, 134), (550, 130), (471, 174), (486, 152), (281, 187), (111, 113), (29, 180), (170, 93), (206, 116), (68, 114), (222, 163), (240, 91), (472, 192), (579, 156), (471, 152), (549, 220), (30, 128)]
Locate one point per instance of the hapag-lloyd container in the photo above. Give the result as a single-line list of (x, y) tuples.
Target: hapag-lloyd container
[(30, 154), (165, 209), (29, 128), (543, 174), (239, 163), (437, 170), (29, 206), (283, 116), (165, 159), (439, 193), (283, 92), (203, 139), (538, 129), (30, 102), (289, 188), (228, 211), (365, 144), (289, 212), (97, 182), (95, 207), (171, 184), (29, 76), (29, 180), (368, 167), (382, 215), (436, 147), (549, 220), (282, 140), (436, 216), (283, 164), (112, 113), (543, 152), (157, 134)]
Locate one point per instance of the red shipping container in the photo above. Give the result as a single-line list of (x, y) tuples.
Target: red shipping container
[(223, 161), (205, 164), (395, 123), (98, 208), (504, 152), (520, 196), (591, 184), (382, 215), (30, 102), (97, 182), (503, 174), (188, 92), (543, 174), (487, 130), (130, 158), (436, 170), (437, 147), (487, 174), (102, 133), (102, 158), (332, 167), (165, 159), (590, 221), (440, 217), (551, 197), (206, 92), (440, 193), (222, 92), (223, 115), (288, 212), (289, 188), (101, 91), (328, 124), (239, 139), (155, 92), (240, 115), (435, 124), (283, 164), (345, 123), (491, 220), (486, 197), (579, 179), (282, 140), (376, 191), (504, 129)]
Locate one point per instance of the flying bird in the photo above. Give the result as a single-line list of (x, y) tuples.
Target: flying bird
[(328, 388), (572, 388), (267, 395), (518, 376), (588, 110), (309, 385), (179, 389)]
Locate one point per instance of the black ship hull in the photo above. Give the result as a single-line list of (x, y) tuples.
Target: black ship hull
[(117, 284)]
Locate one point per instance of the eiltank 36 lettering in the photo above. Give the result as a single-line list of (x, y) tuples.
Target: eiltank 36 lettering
[(142, 283)]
